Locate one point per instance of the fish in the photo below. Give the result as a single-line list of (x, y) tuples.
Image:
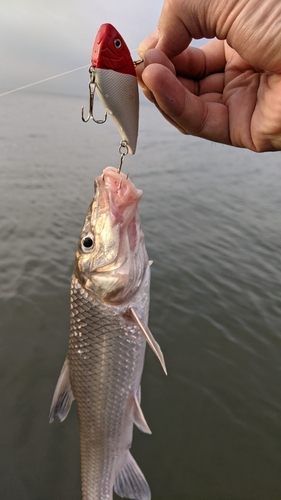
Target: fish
[(116, 82), (109, 330)]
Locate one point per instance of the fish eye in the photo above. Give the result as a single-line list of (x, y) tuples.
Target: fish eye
[(117, 43), (87, 243)]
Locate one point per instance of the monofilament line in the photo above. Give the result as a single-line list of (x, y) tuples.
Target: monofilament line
[(42, 81)]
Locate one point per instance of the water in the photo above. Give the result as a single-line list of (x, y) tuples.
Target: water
[(211, 216)]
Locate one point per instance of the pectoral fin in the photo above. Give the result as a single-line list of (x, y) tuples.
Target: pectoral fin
[(131, 483), (139, 418), (150, 339), (63, 396)]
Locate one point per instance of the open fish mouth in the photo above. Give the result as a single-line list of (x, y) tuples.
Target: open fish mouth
[(116, 190)]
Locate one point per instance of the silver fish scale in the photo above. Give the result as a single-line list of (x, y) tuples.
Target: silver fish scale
[(106, 354)]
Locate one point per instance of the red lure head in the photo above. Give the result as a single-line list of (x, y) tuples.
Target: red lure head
[(111, 52)]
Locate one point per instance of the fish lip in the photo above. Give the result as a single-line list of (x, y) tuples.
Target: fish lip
[(116, 194)]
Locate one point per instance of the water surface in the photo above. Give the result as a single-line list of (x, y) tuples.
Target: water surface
[(211, 217)]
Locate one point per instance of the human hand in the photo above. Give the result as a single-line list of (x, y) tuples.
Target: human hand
[(228, 91)]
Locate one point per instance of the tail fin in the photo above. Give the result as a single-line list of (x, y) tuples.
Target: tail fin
[(131, 483)]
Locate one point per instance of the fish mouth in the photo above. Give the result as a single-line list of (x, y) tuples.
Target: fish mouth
[(117, 193)]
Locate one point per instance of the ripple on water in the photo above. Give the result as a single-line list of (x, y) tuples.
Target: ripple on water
[(211, 219)]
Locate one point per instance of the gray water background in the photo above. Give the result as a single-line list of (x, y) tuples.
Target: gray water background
[(212, 220)]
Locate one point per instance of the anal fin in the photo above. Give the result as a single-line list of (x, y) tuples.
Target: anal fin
[(131, 483), (63, 396), (149, 338)]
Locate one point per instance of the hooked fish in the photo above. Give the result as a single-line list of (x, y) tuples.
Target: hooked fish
[(116, 82), (108, 334)]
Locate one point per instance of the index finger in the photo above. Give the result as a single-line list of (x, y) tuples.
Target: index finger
[(192, 61), (188, 112), (198, 63)]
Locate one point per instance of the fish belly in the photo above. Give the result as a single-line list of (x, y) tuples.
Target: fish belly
[(106, 355)]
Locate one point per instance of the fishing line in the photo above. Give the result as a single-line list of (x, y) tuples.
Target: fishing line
[(47, 79), (42, 81)]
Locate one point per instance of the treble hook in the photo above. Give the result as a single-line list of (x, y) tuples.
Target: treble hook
[(92, 87)]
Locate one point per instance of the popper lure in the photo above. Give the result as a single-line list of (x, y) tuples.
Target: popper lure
[(113, 76)]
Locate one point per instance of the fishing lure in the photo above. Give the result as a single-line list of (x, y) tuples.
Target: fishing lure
[(113, 76)]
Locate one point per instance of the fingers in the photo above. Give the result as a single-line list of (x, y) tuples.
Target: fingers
[(153, 56), (252, 28), (192, 65), (198, 63), (173, 33), (148, 43), (192, 62), (220, 92), (192, 105), (182, 20), (186, 111)]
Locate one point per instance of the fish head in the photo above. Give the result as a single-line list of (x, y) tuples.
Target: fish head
[(111, 258), (111, 52)]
